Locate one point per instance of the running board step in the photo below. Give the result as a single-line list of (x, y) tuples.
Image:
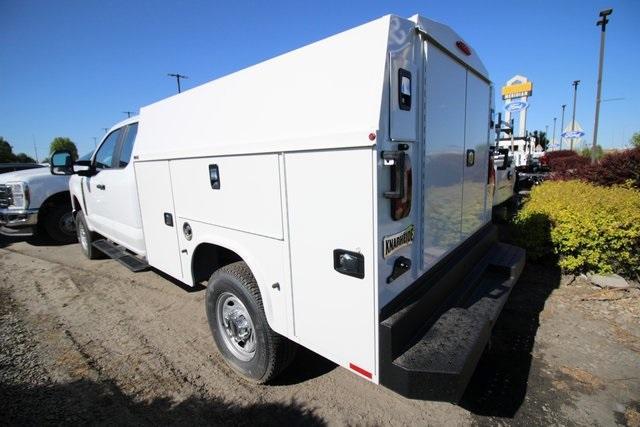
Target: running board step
[(119, 254)]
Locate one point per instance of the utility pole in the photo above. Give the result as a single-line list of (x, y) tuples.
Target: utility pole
[(546, 133), (35, 148), (105, 130), (553, 138), (95, 142), (178, 77), (562, 124), (603, 24), (573, 120), (128, 113)]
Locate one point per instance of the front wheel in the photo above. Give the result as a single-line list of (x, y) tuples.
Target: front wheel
[(59, 224), (86, 237), (239, 326)]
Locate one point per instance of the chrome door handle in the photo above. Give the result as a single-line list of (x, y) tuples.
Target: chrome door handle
[(101, 186)]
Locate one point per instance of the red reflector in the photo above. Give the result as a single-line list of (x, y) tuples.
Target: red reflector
[(360, 370), (463, 47), (372, 136)]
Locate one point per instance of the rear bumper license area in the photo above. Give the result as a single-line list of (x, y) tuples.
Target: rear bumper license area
[(431, 341)]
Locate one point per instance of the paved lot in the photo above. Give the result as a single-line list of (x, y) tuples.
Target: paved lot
[(89, 342)]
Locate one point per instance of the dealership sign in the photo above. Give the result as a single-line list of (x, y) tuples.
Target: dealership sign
[(516, 106), (517, 90), (573, 134)]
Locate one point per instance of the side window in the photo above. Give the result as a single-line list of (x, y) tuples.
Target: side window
[(104, 156), (127, 145)]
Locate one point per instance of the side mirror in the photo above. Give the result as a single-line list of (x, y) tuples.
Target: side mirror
[(62, 163), (506, 159), (86, 168)]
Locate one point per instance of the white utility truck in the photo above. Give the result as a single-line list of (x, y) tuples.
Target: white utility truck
[(336, 197)]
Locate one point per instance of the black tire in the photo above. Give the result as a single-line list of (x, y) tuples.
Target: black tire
[(58, 223), (273, 352), (87, 238)]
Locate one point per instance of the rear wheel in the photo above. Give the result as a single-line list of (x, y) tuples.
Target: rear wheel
[(86, 238), (59, 224), (239, 326)]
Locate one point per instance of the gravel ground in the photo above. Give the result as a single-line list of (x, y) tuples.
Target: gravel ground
[(89, 342)]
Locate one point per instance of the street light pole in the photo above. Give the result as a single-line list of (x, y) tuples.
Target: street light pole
[(573, 119), (562, 124), (553, 138), (603, 24), (178, 77)]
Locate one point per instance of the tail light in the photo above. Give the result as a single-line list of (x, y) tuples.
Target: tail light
[(401, 183), (491, 176)]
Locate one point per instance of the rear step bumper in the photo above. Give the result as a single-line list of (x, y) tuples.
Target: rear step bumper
[(431, 342)]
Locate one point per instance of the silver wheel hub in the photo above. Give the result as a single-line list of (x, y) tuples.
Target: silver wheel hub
[(236, 327), (66, 223), (82, 234)]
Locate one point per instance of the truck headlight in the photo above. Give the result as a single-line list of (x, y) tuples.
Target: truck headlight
[(19, 195)]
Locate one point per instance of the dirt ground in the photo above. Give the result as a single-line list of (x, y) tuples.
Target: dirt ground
[(89, 342)]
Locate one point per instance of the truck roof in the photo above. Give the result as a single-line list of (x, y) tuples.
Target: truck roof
[(328, 94)]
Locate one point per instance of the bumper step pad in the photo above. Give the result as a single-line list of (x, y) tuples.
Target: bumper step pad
[(121, 255), (433, 358)]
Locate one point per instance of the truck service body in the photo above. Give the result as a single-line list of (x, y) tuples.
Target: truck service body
[(350, 177)]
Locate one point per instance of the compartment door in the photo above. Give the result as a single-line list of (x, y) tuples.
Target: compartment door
[(445, 86), (330, 206), (159, 220), (477, 145)]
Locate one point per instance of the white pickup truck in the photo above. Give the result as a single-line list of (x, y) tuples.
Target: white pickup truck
[(32, 201), (336, 197)]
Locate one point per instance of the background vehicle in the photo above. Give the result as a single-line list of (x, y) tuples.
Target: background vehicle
[(227, 184), (33, 201)]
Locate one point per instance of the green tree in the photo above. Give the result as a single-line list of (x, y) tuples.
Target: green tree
[(6, 152), (635, 140), (63, 143), (586, 152), (24, 158), (541, 139)]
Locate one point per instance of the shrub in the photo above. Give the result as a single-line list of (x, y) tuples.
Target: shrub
[(568, 165), (619, 168), (560, 153), (589, 228)]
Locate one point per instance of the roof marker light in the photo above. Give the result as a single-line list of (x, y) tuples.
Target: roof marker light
[(463, 47)]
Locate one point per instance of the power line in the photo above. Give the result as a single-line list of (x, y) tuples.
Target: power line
[(178, 77)]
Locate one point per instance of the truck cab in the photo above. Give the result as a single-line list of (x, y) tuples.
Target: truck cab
[(106, 192)]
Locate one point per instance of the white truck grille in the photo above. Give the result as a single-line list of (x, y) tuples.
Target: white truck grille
[(5, 196)]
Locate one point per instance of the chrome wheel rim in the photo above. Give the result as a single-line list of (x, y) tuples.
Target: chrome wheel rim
[(66, 224), (82, 236), (236, 327)]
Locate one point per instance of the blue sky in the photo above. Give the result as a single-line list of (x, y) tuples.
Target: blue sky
[(70, 68)]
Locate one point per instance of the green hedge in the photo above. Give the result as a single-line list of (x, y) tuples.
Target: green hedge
[(590, 228)]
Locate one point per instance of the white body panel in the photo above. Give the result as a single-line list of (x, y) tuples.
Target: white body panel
[(298, 142), (444, 155), (156, 199), (249, 184), (114, 211), (332, 308)]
